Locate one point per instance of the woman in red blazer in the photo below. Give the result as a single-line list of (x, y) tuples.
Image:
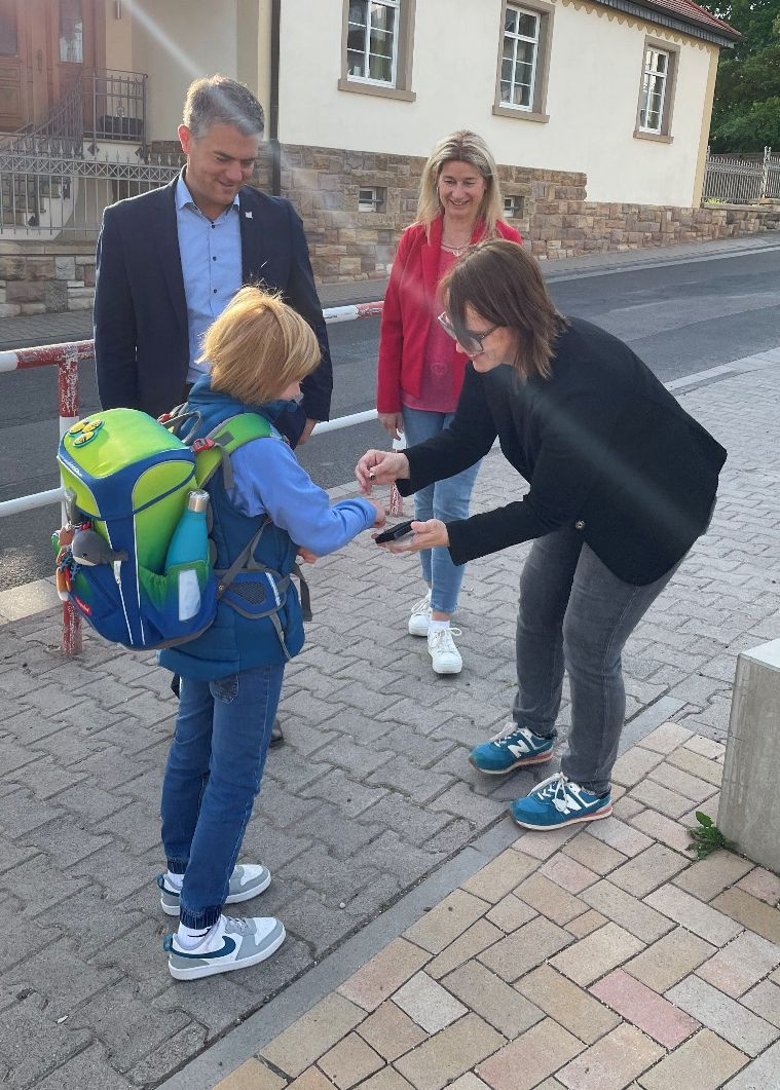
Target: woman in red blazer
[(420, 371)]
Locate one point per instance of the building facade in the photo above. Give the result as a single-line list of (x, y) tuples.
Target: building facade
[(597, 111)]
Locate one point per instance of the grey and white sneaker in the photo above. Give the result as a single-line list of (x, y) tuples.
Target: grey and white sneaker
[(420, 617), (246, 882), (229, 944)]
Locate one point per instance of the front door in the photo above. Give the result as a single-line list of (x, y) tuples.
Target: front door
[(40, 70), (46, 47), (13, 56)]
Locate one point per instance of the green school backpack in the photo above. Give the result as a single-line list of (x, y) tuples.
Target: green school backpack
[(127, 478)]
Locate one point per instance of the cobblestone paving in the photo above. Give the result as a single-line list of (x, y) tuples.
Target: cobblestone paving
[(371, 793), (514, 981)]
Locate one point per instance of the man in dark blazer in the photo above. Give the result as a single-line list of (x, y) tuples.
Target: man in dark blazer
[(163, 272), (169, 261)]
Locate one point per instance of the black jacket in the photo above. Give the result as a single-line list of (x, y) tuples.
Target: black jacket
[(604, 446), (141, 335)]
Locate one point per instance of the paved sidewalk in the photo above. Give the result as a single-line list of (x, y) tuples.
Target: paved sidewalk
[(592, 958), (370, 814)]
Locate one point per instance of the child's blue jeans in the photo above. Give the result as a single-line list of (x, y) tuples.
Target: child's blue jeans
[(213, 773)]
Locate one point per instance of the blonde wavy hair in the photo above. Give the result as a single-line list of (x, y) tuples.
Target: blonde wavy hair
[(461, 147), (258, 346)]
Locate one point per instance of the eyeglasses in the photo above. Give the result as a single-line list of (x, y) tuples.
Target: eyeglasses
[(474, 343)]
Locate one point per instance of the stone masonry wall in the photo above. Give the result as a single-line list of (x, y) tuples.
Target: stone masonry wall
[(347, 244), (33, 281), (555, 219)]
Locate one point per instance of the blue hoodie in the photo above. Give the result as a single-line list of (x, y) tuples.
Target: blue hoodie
[(268, 483)]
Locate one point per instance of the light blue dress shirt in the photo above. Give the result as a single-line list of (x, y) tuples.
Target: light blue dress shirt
[(210, 263)]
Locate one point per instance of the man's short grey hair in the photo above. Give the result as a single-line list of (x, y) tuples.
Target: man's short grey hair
[(215, 100)]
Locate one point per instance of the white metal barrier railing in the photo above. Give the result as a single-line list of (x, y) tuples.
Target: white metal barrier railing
[(66, 358)]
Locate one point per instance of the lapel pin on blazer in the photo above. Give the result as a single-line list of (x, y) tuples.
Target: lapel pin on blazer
[(248, 215)]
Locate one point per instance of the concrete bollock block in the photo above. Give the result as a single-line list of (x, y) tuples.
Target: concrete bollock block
[(749, 811)]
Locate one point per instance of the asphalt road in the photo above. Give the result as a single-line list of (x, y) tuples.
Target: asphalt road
[(681, 317)]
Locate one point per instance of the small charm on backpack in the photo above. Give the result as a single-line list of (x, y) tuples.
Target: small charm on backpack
[(89, 548)]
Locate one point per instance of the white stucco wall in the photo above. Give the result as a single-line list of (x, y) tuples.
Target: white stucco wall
[(119, 38), (175, 42), (594, 78)]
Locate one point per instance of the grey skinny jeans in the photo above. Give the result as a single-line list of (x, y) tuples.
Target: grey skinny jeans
[(574, 613)]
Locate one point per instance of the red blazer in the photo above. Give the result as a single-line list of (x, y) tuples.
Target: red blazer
[(409, 309)]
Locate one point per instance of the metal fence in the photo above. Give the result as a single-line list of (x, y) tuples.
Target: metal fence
[(46, 196), (737, 180), (56, 180)]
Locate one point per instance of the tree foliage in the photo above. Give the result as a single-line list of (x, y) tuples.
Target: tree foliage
[(746, 111)]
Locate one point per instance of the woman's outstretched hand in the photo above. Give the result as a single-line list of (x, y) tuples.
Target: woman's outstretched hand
[(425, 535), (380, 467), (393, 423)]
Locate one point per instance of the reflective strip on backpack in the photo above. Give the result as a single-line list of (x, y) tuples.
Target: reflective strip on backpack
[(272, 584)]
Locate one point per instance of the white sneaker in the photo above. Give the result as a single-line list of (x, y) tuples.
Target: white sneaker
[(444, 654), (420, 617), (229, 944)]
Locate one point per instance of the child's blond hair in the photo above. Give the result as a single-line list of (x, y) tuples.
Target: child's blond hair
[(258, 346)]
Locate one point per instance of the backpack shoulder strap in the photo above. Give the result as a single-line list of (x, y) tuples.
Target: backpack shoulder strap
[(181, 421), (215, 449)]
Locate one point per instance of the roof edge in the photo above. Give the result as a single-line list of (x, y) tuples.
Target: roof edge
[(658, 13)]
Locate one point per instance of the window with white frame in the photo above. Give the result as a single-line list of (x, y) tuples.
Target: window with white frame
[(519, 58), (524, 49), (654, 95), (377, 47), (372, 41)]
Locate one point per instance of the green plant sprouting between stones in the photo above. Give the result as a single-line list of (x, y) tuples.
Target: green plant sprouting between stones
[(706, 837)]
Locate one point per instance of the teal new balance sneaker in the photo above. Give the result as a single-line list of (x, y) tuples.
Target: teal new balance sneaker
[(246, 882), (558, 801), (513, 747), (229, 944)]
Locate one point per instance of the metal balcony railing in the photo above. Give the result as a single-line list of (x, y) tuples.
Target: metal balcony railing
[(118, 106)]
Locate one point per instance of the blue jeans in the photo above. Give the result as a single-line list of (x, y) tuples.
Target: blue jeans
[(446, 500), (213, 773), (575, 614)]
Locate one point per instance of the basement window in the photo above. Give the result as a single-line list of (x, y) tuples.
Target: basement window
[(371, 199), (514, 207)]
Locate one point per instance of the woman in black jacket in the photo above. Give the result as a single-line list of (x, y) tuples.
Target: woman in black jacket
[(622, 482)]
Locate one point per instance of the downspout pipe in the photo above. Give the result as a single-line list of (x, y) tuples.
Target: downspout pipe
[(273, 107)]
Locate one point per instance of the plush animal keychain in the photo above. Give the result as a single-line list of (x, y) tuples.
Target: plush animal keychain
[(88, 547)]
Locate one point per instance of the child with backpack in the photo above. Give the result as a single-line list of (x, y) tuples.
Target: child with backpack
[(259, 349)]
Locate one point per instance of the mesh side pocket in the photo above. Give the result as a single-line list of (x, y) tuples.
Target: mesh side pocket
[(256, 594)]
